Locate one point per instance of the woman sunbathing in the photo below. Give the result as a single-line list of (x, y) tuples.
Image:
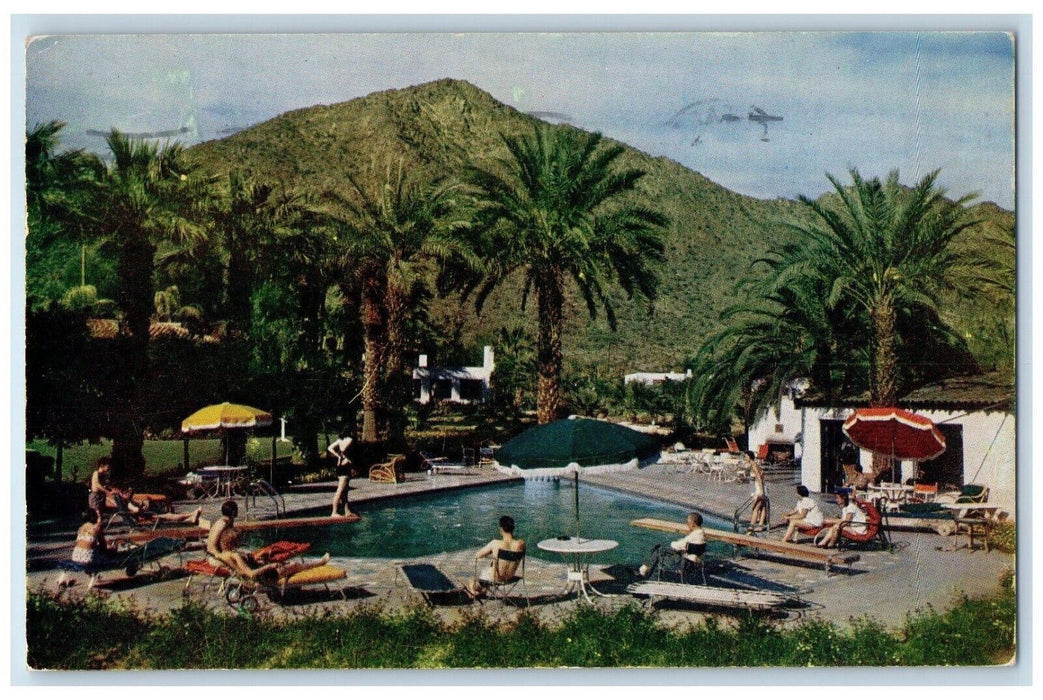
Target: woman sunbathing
[(125, 501)]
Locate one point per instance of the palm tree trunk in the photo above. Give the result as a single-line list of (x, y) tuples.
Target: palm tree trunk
[(375, 340), (885, 360), (135, 300), (395, 379), (550, 304), (884, 390)]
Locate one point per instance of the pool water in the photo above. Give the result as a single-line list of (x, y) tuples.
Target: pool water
[(430, 524)]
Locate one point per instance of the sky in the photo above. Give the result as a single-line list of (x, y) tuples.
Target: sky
[(912, 100)]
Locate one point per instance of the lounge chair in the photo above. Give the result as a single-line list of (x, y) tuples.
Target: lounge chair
[(485, 455), (393, 472), (924, 493), (214, 570), (503, 589), (855, 479), (242, 593), (874, 530), (708, 595), (429, 581), (124, 517), (131, 560), (731, 445)]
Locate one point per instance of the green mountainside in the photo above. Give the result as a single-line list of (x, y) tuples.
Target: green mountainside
[(439, 127)]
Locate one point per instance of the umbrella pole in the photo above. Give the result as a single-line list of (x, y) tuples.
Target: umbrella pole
[(275, 451), (577, 504), (187, 467)]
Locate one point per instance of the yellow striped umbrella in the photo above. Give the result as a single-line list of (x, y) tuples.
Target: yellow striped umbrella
[(225, 415)]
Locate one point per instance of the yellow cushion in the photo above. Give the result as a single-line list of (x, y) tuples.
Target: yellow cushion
[(320, 574)]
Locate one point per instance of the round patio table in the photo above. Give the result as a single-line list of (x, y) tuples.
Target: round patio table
[(226, 478), (576, 552)]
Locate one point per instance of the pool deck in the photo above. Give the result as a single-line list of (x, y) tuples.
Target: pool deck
[(921, 572)]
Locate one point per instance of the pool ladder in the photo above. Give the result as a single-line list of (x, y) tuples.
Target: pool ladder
[(742, 525), (270, 498)]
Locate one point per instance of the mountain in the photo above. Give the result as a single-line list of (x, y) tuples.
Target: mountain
[(439, 127)]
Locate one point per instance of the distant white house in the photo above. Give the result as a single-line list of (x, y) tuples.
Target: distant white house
[(650, 378), (974, 414), (456, 384)]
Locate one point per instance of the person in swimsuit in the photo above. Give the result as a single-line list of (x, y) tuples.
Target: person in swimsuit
[(125, 501), (222, 543), (345, 470), (501, 570), (99, 486), (759, 510), (91, 546)]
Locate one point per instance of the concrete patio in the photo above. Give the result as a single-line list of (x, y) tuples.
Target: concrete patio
[(923, 570)]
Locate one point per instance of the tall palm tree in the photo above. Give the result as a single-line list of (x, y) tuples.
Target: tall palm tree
[(555, 210), (882, 247), (241, 218), (56, 188), (767, 341), (395, 230), (147, 195)]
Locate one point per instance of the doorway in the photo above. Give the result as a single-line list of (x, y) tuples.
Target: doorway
[(946, 469), (832, 439)]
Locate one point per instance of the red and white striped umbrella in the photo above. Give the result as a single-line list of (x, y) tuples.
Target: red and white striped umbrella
[(895, 432)]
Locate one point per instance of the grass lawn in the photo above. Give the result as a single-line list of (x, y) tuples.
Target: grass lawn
[(162, 457), (111, 635)]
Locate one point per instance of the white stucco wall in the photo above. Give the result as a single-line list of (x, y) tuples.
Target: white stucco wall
[(988, 450), (764, 429)]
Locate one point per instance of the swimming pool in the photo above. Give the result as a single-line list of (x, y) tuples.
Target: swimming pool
[(429, 524)]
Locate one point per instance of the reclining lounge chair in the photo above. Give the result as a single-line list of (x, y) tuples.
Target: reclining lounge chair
[(431, 583), (131, 560)]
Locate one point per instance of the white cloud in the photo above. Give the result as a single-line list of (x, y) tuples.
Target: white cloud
[(878, 101)]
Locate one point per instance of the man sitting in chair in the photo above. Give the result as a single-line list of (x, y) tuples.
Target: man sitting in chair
[(678, 551), (222, 543), (505, 569)]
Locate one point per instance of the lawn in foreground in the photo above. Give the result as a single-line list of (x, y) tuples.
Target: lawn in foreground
[(105, 634)]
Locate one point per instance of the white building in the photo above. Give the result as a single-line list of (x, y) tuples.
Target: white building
[(456, 384), (779, 428), (651, 378), (975, 414)]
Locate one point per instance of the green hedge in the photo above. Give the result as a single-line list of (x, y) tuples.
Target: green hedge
[(110, 635)]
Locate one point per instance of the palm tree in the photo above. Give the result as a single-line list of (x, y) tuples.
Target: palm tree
[(394, 232), (56, 188), (145, 196), (246, 216), (881, 247), (554, 210), (768, 341)]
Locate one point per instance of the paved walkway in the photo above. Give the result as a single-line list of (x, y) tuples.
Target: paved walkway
[(921, 571)]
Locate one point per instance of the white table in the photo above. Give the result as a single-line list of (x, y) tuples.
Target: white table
[(576, 553), (226, 478)]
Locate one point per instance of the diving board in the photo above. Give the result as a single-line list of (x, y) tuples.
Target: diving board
[(244, 525), (792, 550)]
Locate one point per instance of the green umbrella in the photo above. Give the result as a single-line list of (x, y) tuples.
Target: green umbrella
[(567, 447)]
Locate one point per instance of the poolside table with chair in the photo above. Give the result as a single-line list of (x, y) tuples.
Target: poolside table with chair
[(577, 552)]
